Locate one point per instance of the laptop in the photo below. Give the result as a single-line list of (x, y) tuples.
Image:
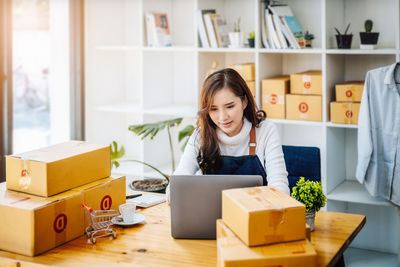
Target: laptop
[(196, 202)]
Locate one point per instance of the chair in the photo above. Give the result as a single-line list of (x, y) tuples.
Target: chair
[(302, 161)]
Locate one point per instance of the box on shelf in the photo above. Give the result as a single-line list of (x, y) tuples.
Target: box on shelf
[(54, 169), (273, 96), (252, 87), (231, 251), (304, 107), (104, 194), (349, 91), (306, 83), (246, 70), (263, 215), (31, 225), (345, 112)]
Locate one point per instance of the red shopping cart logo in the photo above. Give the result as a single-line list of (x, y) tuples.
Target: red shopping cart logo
[(24, 173), (106, 203), (303, 107), (349, 114), (273, 99), (60, 223), (307, 85), (349, 93)]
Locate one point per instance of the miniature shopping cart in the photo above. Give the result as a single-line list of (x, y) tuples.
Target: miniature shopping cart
[(99, 223)]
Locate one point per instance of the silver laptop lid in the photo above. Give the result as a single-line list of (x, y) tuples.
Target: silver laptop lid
[(196, 202)]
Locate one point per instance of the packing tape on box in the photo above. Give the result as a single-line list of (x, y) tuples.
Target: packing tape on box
[(349, 114), (306, 83), (25, 175), (60, 222)]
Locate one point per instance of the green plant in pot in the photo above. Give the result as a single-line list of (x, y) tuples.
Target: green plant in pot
[(344, 40), (251, 39), (150, 130), (308, 37), (368, 38), (311, 195)]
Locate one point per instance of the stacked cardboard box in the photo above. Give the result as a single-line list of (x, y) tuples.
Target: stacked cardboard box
[(247, 72), (262, 226), (305, 99), (52, 183), (273, 93), (347, 105)]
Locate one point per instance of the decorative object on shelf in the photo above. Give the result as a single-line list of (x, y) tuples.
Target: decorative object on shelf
[(368, 39), (251, 39), (311, 195), (344, 40), (151, 129), (236, 37), (308, 37)]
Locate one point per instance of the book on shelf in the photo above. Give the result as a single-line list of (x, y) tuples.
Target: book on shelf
[(264, 33), (286, 32), (157, 30), (202, 28), (271, 31), (279, 31), (212, 37), (220, 29)]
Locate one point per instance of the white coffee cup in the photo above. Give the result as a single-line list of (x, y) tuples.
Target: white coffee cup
[(127, 211)]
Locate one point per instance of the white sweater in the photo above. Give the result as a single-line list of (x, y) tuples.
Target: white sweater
[(268, 150)]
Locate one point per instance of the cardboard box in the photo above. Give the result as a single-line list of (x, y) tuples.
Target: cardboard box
[(273, 96), (345, 112), (306, 83), (231, 251), (246, 70), (104, 194), (31, 225), (304, 107), (58, 168), (349, 92), (263, 215), (252, 87)]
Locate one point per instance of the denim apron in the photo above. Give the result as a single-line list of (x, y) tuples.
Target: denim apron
[(244, 165)]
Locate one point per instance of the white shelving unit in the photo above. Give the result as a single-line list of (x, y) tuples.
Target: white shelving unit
[(128, 83)]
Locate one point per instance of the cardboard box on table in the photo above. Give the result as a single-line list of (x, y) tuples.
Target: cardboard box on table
[(231, 251), (306, 83), (345, 112), (274, 91), (246, 70), (31, 225), (252, 87), (304, 107), (104, 194), (349, 91), (58, 168), (263, 215)]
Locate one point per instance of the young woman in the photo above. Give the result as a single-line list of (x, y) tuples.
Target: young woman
[(232, 137)]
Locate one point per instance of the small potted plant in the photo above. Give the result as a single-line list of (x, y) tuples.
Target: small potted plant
[(251, 39), (344, 40), (368, 39), (308, 37), (310, 194), (236, 37)]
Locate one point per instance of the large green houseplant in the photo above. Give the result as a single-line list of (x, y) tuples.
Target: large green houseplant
[(311, 195), (150, 130)]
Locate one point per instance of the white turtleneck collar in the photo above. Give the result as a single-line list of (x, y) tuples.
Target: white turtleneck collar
[(241, 137)]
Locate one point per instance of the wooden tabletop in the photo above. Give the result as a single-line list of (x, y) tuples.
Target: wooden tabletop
[(151, 244)]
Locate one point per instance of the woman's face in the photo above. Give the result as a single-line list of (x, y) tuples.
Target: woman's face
[(227, 111)]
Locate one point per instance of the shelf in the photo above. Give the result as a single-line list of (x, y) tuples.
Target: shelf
[(174, 110), (354, 257), (297, 122), (292, 51), (352, 191), (170, 49), (126, 107), (341, 125), (380, 51), (227, 50)]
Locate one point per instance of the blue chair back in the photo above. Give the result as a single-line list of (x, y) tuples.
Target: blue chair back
[(302, 161)]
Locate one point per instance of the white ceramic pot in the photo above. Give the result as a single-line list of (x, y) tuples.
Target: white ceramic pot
[(236, 39), (310, 219)]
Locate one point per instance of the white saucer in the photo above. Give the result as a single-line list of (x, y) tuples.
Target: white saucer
[(138, 218)]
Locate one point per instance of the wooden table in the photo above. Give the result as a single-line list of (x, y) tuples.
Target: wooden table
[(151, 244)]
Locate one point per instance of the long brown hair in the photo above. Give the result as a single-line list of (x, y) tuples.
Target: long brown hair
[(209, 158)]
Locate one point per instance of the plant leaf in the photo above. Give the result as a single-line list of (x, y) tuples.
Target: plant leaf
[(186, 132), (144, 130)]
